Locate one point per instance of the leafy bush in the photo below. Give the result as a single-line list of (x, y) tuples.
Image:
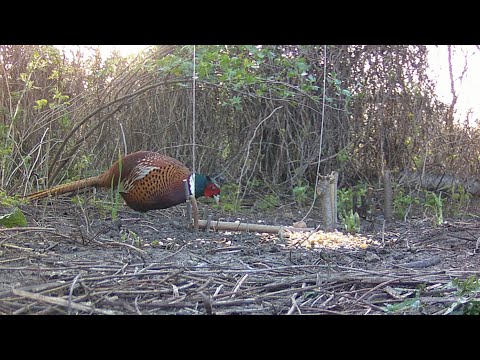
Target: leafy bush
[(350, 221), (346, 197), (402, 203), (268, 202), (13, 219), (435, 202), (229, 200), (467, 290), (300, 194)]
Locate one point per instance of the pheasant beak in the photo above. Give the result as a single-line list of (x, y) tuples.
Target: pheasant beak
[(217, 199)]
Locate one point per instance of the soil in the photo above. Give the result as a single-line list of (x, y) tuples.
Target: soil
[(74, 259)]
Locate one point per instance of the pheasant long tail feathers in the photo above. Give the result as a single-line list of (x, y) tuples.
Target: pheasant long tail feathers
[(63, 189)]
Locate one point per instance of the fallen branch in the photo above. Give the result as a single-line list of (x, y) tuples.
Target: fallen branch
[(62, 302), (16, 247), (27, 228), (238, 226)]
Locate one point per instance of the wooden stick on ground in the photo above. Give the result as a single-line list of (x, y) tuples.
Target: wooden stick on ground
[(238, 226), (27, 228), (62, 302)]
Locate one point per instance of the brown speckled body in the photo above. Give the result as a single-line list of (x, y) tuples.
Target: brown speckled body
[(148, 181)]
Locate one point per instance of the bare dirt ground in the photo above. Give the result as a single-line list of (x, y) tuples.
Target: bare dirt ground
[(75, 260)]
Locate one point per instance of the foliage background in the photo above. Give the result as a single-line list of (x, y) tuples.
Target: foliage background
[(265, 115)]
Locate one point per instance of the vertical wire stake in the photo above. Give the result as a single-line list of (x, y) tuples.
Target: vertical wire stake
[(209, 223), (193, 203), (189, 205)]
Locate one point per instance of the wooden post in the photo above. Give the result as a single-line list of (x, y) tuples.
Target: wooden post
[(322, 191), (327, 190)]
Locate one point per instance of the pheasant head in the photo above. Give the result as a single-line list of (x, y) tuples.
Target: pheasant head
[(205, 186)]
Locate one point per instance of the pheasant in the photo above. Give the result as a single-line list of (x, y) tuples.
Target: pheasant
[(148, 181)]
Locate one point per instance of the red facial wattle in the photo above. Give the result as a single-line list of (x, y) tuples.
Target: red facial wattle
[(212, 191)]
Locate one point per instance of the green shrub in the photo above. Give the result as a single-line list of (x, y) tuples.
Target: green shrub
[(300, 194), (229, 200), (268, 202), (350, 221), (435, 202), (402, 203)]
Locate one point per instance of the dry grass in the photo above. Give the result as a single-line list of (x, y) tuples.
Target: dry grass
[(65, 268)]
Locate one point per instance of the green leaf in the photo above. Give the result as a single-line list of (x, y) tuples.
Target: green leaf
[(407, 304), (39, 104), (14, 219)]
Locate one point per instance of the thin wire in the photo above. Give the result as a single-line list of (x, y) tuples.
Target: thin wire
[(321, 131), (193, 115)]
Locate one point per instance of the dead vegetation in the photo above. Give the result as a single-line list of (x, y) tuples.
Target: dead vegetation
[(269, 120), (151, 265)]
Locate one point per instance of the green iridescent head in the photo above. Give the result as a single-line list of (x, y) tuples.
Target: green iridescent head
[(206, 186)]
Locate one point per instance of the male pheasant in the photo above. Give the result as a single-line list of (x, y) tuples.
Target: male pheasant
[(148, 181)]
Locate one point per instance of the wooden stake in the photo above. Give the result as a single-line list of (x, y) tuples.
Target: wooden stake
[(209, 222), (189, 205), (193, 203)]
